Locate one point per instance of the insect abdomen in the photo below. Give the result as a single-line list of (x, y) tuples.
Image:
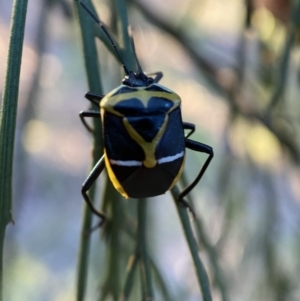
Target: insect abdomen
[(125, 158)]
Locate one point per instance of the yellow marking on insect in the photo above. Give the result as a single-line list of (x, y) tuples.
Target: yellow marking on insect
[(109, 101), (113, 178), (178, 174), (148, 147)]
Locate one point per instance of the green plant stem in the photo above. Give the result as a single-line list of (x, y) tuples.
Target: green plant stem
[(8, 119), (93, 76), (112, 284), (142, 251), (141, 256), (219, 278), (28, 112), (115, 248), (200, 270)]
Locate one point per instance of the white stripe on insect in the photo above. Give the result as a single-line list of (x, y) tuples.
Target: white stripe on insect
[(140, 163), (126, 163), (170, 158)]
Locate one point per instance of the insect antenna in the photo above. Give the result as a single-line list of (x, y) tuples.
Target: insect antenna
[(102, 26), (140, 70)]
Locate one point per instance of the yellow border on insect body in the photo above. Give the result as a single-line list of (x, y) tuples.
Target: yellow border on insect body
[(113, 178), (110, 100), (178, 174)]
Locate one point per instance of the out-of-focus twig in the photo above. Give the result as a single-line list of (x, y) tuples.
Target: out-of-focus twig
[(160, 282), (129, 277), (180, 35), (292, 29), (65, 6)]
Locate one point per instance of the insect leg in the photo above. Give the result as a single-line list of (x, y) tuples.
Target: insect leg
[(83, 114), (158, 76), (189, 126), (198, 147), (90, 180), (94, 98)]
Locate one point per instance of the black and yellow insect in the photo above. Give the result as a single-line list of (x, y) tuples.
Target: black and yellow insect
[(144, 139)]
